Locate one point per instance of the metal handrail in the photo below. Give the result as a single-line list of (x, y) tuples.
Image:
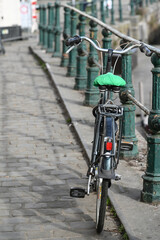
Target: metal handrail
[(114, 31), (137, 103)]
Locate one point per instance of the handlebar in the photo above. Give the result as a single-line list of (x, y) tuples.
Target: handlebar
[(72, 42), (145, 50)]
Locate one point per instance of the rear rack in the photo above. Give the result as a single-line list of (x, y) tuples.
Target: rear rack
[(110, 110)]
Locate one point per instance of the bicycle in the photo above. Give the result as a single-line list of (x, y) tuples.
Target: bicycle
[(107, 141)]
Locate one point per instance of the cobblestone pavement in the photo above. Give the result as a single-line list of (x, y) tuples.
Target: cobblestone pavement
[(39, 159)]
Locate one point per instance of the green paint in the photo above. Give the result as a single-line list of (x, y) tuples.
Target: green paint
[(40, 24), (132, 8), (81, 75), (57, 31), (50, 27), (151, 179), (128, 122), (103, 12), (44, 37), (71, 69), (94, 8), (107, 43), (112, 13), (92, 93), (120, 11), (66, 34)]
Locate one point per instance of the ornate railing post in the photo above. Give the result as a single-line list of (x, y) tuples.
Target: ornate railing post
[(57, 31), (132, 8), (92, 93), (128, 123), (71, 69), (94, 8), (45, 28), (142, 3), (147, 3), (120, 11), (40, 24), (112, 13), (43, 24), (107, 11), (66, 34), (81, 6), (81, 76), (103, 12), (50, 27), (151, 179), (107, 42)]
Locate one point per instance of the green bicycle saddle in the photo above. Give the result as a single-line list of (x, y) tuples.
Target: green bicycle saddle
[(109, 79)]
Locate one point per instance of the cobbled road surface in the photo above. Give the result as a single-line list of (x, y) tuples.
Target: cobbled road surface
[(40, 159)]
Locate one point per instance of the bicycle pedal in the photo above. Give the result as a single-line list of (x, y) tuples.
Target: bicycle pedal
[(117, 177), (126, 146), (78, 192)]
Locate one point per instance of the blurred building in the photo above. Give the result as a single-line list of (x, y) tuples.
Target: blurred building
[(17, 15), (9, 13)]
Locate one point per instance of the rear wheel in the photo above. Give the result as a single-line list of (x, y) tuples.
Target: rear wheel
[(102, 194)]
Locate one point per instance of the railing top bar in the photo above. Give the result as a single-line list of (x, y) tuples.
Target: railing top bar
[(113, 30), (136, 102)]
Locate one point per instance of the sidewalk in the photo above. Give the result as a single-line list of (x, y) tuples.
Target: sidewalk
[(141, 221), (40, 159)]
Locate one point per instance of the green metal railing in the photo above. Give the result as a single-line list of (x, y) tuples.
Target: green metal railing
[(50, 28), (84, 77), (136, 4)]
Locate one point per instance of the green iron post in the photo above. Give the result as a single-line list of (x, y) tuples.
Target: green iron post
[(146, 3), (92, 93), (107, 42), (50, 27), (128, 122), (57, 31), (107, 11), (43, 25), (81, 75), (151, 179), (40, 24), (112, 13), (71, 69), (94, 8), (66, 34), (132, 8), (53, 22), (120, 11), (103, 12), (142, 3), (45, 28), (81, 6)]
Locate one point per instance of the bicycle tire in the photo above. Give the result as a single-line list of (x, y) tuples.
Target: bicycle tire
[(102, 194)]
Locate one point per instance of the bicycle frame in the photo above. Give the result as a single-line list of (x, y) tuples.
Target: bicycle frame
[(99, 139)]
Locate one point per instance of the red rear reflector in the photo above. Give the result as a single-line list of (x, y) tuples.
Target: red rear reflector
[(109, 146)]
